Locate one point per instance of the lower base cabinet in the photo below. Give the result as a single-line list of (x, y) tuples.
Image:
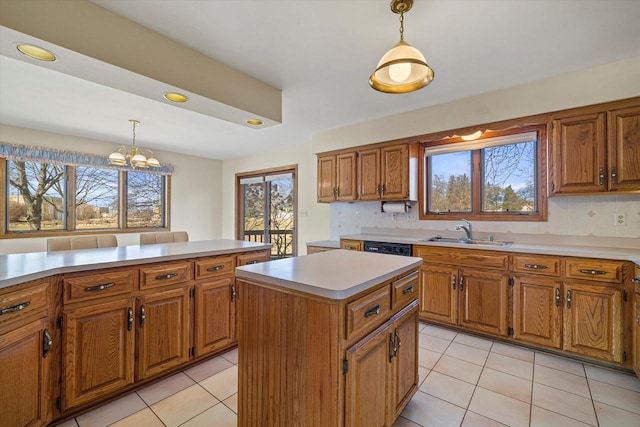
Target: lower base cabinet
[(537, 311), (215, 314)]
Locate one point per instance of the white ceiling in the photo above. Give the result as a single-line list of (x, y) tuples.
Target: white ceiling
[(320, 53)]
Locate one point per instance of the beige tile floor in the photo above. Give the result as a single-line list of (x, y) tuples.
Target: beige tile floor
[(464, 381)]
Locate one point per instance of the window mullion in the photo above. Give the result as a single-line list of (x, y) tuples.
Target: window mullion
[(122, 200), (476, 182), (70, 199)]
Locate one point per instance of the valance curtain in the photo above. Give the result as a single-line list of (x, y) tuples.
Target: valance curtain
[(72, 158)]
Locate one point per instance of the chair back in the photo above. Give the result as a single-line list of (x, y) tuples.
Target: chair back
[(81, 242), (163, 237)]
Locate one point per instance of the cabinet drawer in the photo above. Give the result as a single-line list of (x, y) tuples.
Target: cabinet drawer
[(23, 302), (351, 245), (404, 290), (165, 274), (462, 256), (549, 266), (253, 258), (215, 267), (594, 269), (91, 286), (368, 311)]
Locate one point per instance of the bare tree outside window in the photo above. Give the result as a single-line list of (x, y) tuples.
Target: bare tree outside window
[(145, 198), (96, 198)]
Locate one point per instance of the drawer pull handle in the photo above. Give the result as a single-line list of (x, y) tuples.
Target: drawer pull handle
[(47, 342), (636, 280), (166, 276), (372, 311), (129, 318), (100, 287), (592, 272), (407, 290), (535, 266), (557, 297), (215, 268), (143, 316), (14, 308), (255, 261)]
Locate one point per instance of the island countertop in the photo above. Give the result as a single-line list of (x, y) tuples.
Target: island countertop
[(19, 268), (336, 274)]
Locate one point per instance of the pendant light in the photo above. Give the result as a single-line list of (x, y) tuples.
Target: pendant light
[(403, 68), (134, 155)]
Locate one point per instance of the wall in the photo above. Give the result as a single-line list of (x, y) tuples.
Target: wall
[(197, 212), (313, 217)]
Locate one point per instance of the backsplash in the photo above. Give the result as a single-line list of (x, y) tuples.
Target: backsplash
[(589, 216)]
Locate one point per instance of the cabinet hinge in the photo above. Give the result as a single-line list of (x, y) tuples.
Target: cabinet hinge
[(345, 366), (511, 281), (58, 403), (510, 331), (624, 356), (60, 322), (552, 126), (624, 296), (192, 293)]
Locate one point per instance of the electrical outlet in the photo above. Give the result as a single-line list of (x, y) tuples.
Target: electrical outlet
[(619, 219), (411, 217)]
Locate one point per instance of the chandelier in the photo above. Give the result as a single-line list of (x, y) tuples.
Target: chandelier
[(403, 68), (134, 155)]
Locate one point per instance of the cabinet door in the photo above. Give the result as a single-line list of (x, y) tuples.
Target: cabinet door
[(346, 177), (537, 311), (162, 331), (578, 154), (98, 352), (593, 321), (405, 362), (22, 386), (438, 293), (369, 174), (368, 380), (395, 172), (326, 178), (483, 301), (624, 148), (636, 334), (215, 315)]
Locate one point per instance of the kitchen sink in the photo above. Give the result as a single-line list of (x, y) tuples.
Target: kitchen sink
[(463, 241)]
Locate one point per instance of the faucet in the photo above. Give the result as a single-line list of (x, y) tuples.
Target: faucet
[(467, 228)]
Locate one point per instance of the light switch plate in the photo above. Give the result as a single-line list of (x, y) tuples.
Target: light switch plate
[(619, 219)]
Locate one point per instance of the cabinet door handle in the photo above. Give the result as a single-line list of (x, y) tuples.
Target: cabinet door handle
[(143, 316), (100, 287), (166, 276), (233, 293), (14, 308), (215, 268), (636, 279), (372, 311), (391, 347), (601, 176), (614, 175), (638, 319), (461, 283), (535, 266), (592, 272), (378, 188), (382, 190), (47, 342), (129, 318), (255, 261), (568, 299), (407, 290), (398, 342), (453, 281), (557, 297)]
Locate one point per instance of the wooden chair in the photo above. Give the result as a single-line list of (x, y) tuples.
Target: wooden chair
[(81, 242), (163, 237)]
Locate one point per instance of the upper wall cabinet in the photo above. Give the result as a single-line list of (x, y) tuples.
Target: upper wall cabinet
[(595, 149), (387, 172)]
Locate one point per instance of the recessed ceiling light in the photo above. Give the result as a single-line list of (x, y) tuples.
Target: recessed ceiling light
[(175, 97), (255, 122), (36, 52)]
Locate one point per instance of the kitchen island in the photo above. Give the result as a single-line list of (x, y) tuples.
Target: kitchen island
[(328, 339)]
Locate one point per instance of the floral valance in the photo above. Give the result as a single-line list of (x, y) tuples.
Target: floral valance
[(72, 158)]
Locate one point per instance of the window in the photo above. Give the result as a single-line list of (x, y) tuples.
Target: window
[(267, 202), (494, 178), (55, 198)]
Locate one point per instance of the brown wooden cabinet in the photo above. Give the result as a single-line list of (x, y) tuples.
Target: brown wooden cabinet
[(383, 173), (636, 322), (337, 178), (438, 293), (483, 300), (351, 245), (596, 149), (215, 315), (29, 355), (537, 311)]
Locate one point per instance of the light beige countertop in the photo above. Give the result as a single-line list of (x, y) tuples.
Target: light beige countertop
[(335, 244), (335, 274), (551, 248), (19, 268)]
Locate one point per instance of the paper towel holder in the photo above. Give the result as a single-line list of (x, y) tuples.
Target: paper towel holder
[(395, 207)]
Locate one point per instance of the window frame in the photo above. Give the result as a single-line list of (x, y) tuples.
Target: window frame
[(70, 190), (476, 213)]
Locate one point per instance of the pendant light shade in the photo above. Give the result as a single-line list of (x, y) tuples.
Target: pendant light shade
[(133, 155), (403, 68)]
